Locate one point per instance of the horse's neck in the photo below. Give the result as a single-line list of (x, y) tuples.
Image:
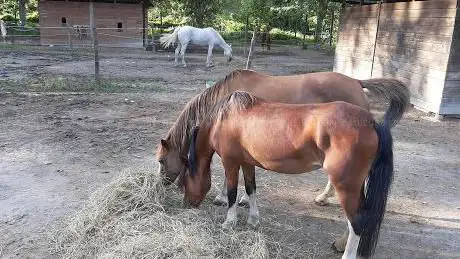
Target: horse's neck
[(221, 41)]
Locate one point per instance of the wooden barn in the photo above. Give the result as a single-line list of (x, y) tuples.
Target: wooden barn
[(417, 42), (119, 23)]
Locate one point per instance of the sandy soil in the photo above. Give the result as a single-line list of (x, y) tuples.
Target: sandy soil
[(55, 149)]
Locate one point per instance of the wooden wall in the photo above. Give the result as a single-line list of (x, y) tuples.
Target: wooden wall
[(413, 43), (356, 41), (451, 95), (107, 15)]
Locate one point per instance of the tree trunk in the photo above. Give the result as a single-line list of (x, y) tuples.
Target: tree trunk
[(322, 8), (307, 26), (22, 12)]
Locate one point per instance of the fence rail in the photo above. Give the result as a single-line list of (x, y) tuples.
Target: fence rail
[(80, 36)]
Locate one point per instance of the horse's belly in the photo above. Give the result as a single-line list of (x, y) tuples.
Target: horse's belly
[(288, 163), (290, 166)]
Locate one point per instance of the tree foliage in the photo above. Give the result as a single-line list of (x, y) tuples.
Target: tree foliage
[(312, 17)]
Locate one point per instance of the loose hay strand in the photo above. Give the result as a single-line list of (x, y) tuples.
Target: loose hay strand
[(134, 216)]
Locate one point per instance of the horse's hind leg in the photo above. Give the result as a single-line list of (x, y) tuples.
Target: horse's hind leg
[(176, 53), (349, 195), (209, 57), (182, 53), (347, 176), (321, 199), (250, 185)]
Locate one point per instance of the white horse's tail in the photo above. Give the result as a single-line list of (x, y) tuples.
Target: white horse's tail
[(169, 39)]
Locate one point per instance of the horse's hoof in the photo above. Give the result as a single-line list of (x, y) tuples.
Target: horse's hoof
[(253, 221), (243, 203), (228, 225), (184, 65), (338, 247), (321, 201), (221, 201)]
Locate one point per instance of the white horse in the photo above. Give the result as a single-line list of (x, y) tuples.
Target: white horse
[(188, 34)]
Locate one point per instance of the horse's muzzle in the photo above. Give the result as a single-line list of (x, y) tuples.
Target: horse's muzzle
[(190, 204)]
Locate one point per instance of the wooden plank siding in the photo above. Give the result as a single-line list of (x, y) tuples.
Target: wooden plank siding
[(417, 42), (108, 15), (355, 47), (450, 103)]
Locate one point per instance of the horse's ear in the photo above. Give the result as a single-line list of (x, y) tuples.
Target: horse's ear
[(164, 144), (191, 156)]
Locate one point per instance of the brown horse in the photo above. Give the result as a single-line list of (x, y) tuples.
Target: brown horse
[(344, 139), (296, 89)]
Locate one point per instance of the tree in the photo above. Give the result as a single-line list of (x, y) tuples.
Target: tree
[(201, 13), (22, 12), (322, 9)]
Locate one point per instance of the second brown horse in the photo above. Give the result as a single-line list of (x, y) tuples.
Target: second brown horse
[(343, 138)]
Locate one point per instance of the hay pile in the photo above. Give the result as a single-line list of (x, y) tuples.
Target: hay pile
[(135, 217)]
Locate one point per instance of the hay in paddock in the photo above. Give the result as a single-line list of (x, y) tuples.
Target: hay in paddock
[(135, 217)]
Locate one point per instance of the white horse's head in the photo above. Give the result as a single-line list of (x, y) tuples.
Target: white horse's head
[(228, 52)]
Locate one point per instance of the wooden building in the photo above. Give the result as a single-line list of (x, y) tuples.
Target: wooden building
[(119, 23), (417, 42)]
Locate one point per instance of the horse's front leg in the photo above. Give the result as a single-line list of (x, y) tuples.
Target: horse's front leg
[(222, 198), (250, 185), (209, 57), (322, 199), (231, 174)]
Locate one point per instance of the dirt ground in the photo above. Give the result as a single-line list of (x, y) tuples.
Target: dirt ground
[(56, 147)]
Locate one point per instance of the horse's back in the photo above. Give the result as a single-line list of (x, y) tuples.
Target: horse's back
[(317, 87)]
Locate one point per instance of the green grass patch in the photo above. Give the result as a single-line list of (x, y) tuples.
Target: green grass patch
[(81, 84)]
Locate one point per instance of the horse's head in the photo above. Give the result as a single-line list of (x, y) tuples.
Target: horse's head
[(196, 180), (228, 52), (170, 163)]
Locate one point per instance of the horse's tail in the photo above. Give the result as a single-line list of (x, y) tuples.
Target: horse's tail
[(374, 202), (392, 90), (169, 39)]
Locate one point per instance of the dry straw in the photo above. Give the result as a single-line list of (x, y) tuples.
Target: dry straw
[(135, 217)]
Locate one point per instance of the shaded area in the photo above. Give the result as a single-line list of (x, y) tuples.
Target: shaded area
[(410, 41)]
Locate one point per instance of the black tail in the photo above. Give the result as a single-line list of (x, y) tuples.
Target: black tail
[(378, 187), (392, 90)]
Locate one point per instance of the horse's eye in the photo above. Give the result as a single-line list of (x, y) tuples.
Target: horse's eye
[(161, 161)]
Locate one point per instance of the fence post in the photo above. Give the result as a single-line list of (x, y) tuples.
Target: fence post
[(69, 37), (246, 34), (95, 43), (249, 61), (331, 34)]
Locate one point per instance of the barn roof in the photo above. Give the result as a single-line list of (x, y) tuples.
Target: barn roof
[(148, 2), (367, 2)]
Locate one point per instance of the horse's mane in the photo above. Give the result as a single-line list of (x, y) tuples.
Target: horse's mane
[(196, 110), (219, 36), (238, 100)]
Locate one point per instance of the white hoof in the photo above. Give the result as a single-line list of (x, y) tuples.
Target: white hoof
[(321, 200), (228, 224), (244, 201), (339, 245), (221, 200), (253, 221)]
